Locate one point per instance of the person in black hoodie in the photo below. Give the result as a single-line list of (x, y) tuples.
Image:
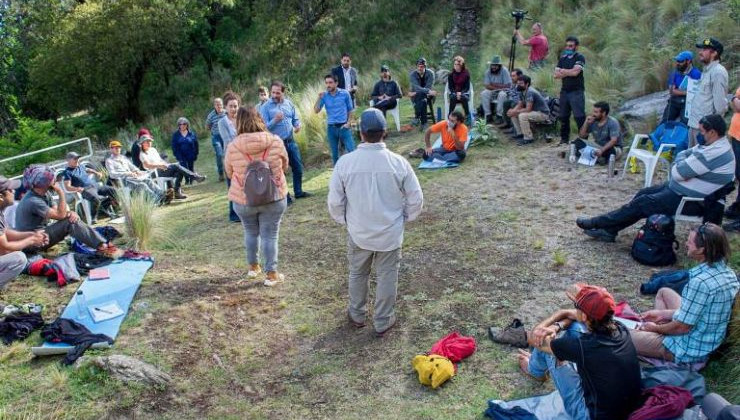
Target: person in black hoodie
[(593, 363)]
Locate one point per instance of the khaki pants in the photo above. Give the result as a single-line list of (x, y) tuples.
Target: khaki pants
[(11, 264), (521, 124), (650, 344), (386, 269)]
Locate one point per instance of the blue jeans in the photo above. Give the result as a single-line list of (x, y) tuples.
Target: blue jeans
[(441, 153), (335, 134), (232, 214), (261, 227), (218, 148), (296, 165), (564, 376)]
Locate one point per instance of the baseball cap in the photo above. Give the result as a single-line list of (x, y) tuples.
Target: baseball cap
[(72, 155), (8, 184), (421, 60), (145, 137), (372, 120), (495, 60), (711, 43), (684, 55), (384, 68), (596, 302), (114, 143)]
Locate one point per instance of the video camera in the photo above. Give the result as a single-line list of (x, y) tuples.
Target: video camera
[(519, 15)]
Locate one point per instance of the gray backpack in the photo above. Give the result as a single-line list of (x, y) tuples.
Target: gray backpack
[(259, 185)]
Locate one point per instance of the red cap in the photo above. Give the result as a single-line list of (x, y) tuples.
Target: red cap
[(594, 301), (143, 131)]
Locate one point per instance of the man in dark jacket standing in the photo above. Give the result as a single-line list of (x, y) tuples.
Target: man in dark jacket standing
[(346, 75)]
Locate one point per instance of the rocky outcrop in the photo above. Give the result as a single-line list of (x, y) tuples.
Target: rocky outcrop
[(465, 34), (127, 369), (645, 107)]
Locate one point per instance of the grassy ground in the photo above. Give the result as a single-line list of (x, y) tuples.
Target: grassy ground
[(496, 240)]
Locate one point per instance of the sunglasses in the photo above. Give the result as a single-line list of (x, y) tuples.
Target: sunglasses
[(702, 231)]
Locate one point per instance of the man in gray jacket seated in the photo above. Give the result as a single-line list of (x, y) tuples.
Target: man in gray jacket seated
[(422, 92), (374, 191)]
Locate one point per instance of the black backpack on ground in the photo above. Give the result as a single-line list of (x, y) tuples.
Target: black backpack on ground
[(655, 243)]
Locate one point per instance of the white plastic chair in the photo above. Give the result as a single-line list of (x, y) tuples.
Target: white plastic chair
[(75, 199), (649, 158), (161, 181), (471, 101), (680, 217), (395, 112)]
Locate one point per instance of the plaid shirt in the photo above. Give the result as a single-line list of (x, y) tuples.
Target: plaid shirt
[(706, 304)]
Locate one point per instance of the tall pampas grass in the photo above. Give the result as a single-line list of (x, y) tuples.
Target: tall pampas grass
[(138, 209)]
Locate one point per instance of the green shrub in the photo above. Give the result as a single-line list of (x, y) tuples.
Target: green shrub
[(29, 135)]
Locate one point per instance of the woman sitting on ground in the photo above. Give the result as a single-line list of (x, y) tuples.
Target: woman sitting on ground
[(151, 159), (261, 222), (458, 84)]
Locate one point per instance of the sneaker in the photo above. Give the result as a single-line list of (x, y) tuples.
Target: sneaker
[(417, 153), (514, 334), (303, 194), (109, 250), (733, 226), (274, 278), (199, 178), (601, 235), (254, 271), (179, 195)]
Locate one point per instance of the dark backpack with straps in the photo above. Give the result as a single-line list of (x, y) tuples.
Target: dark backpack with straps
[(655, 243), (259, 185)]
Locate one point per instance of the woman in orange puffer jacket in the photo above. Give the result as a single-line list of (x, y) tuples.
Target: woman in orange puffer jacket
[(261, 223)]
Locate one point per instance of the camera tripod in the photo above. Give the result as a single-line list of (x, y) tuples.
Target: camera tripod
[(518, 15)]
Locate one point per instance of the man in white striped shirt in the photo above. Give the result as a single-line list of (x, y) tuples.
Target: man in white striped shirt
[(696, 172)]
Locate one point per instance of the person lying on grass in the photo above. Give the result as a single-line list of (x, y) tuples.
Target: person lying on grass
[(588, 355)]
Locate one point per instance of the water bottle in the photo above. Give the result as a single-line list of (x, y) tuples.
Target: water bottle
[(81, 305), (611, 166), (572, 153)]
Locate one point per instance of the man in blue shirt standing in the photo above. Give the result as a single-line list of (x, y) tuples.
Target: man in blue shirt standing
[(281, 118), (677, 85), (339, 107)]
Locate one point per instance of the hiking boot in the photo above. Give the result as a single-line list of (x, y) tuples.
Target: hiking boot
[(514, 334), (489, 119), (585, 223), (497, 121), (274, 278), (517, 136), (354, 323), (303, 194), (199, 178), (733, 226), (601, 235), (381, 334), (524, 141), (254, 271), (417, 153), (179, 195)]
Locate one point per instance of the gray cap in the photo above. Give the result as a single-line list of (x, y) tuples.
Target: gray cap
[(8, 184), (372, 120), (72, 155)]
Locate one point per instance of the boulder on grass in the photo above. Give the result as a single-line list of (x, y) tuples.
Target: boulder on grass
[(127, 369)]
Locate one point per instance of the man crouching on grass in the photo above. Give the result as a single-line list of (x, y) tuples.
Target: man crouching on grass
[(592, 363)]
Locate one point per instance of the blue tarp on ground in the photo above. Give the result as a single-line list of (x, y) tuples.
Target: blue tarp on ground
[(125, 279)]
